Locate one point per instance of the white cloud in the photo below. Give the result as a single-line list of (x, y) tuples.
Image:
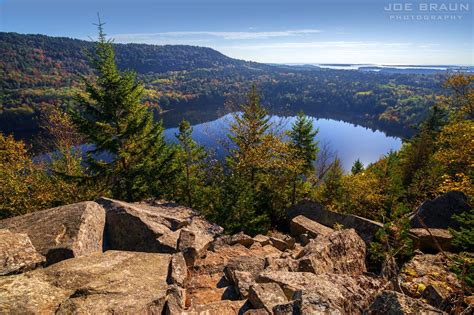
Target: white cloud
[(320, 44), (149, 37)]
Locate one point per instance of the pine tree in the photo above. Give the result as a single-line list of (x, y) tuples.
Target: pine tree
[(357, 167), (464, 235), (257, 166), (191, 161), (113, 119), (249, 135), (302, 136), (305, 148), (332, 193)]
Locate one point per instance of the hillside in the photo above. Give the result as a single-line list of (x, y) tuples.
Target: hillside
[(38, 71)]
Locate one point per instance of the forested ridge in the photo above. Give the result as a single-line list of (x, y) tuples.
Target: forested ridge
[(39, 71)]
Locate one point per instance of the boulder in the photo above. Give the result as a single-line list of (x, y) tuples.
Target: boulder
[(428, 270), (193, 244), (209, 288), (290, 308), (178, 271), (242, 239), (341, 252), (326, 293), (175, 300), (266, 295), (434, 296), (425, 240), (64, 232), (281, 241), (315, 211), (242, 271), (391, 302), (262, 239), (113, 282), (437, 213), (152, 226), (17, 254), (281, 264), (242, 281), (302, 225)]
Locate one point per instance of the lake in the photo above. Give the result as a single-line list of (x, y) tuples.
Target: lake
[(348, 141)]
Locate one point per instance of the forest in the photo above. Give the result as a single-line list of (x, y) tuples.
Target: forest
[(265, 172), (39, 72)]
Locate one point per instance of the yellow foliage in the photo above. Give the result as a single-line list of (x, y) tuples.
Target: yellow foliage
[(24, 186)]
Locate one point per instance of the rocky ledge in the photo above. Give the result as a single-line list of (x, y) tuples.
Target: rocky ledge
[(157, 257)]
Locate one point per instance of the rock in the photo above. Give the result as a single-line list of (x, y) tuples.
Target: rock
[(30, 293), (428, 270), (281, 264), (437, 213), (193, 245), (64, 232), (208, 288), (149, 226), (168, 242), (424, 241), (175, 300), (326, 293), (302, 225), (266, 295), (262, 239), (391, 302), (218, 308), (315, 211), (242, 280), (17, 254), (290, 308), (242, 239), (242, 271), (340, 252), (216, 261), (113, 282), (178, 273), (434, 296), (259, 311), (281, 241), (220, 241)]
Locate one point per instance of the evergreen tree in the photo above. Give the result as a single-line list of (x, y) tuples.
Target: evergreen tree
[(249, 134), (305, 148), (357, 167), (464, 236), (302, 136), (113, 119), (333, 191), (191, 163), (259, 170)]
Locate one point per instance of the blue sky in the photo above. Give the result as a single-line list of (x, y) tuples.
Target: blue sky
[(280, 31)]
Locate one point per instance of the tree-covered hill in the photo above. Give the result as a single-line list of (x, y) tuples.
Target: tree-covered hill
[(38, 71)]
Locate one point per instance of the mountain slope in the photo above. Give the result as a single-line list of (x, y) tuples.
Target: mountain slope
[(37, 71)]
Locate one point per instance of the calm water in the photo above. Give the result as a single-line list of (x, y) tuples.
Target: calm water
[(348, 141)]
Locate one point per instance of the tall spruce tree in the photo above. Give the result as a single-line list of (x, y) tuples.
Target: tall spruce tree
[(191, 163), (112, 117), (249, 134), (357, 167), (333, 190), (305, 148)]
